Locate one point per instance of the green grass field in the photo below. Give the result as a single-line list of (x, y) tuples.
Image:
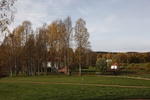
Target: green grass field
[(73, 88)]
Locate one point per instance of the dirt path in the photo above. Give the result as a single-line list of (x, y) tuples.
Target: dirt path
[(104, 85), (84, 84), (129, 77)]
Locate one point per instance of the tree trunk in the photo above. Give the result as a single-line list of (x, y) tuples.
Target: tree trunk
[(80, 62), (38, 68), (11, 69), (15, 64)]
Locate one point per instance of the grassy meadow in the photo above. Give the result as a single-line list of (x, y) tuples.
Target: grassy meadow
[(61, 87)]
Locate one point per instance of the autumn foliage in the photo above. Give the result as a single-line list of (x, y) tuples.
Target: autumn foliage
[(27, 51)]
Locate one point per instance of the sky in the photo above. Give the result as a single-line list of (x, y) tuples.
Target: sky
[(114, 25)]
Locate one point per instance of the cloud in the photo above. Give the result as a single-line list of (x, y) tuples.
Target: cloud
[(39, 11), (113, 24), (111, 18)]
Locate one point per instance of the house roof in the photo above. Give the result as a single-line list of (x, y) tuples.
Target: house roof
[(115, 64)]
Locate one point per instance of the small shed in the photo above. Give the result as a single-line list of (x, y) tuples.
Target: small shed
[(115, 66)]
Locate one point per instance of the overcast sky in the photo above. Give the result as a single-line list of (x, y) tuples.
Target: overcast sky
[(114, 25)]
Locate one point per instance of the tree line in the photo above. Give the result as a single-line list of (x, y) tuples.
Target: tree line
[(29, 51), (125, 58)]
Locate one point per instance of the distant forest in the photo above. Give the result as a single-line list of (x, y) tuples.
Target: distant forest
[(126, 57)]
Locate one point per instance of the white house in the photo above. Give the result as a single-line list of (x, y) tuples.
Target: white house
[(115, 66), (49, 64)]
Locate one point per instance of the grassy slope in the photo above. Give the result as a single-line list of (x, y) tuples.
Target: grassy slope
[(28, 88), (110, 80)]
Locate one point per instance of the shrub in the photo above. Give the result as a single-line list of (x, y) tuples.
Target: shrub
[(136, 66), (123, 65), (131, 66), (147, 66), (101, 64), (128, 67), (91, 67)]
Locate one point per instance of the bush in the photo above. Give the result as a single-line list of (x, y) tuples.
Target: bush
[(123, 65), (91, 68), (147, 66), (101, 64), (136, 66), (131, 66)]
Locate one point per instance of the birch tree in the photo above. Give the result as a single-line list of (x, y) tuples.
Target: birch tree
[(6, 55), (27, 31), (52, 31), (43, 32), (7, 12), (68, 39), (81, 38)]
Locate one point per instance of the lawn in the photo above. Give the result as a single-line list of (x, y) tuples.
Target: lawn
[(70, 87)]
